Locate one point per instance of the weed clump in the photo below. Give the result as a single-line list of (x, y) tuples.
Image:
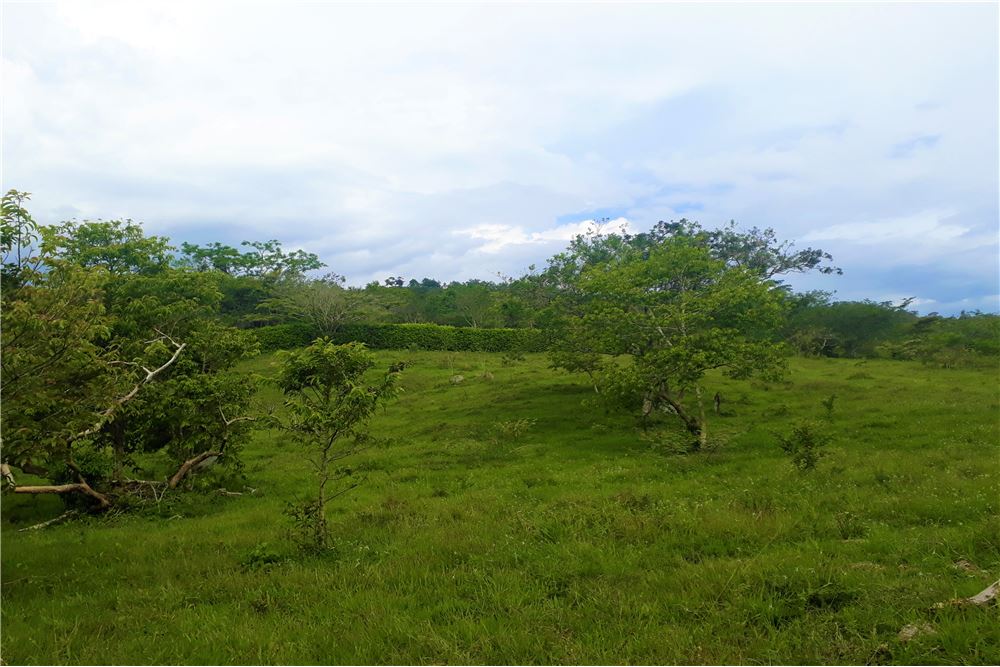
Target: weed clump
[(828, 405), (261, 556), (308, 530), (511, 430), (511, 358), (804, 445)]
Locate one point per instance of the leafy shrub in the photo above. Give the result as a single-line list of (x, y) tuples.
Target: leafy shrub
[(260, 556), (804, 445), (96, 464), (308, 531)]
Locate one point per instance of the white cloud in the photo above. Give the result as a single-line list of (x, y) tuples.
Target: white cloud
[(926, 227), (453, 140), (498, 237)]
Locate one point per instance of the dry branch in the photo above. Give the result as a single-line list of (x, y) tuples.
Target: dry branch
[(51, 522), (984, 597), (185, 469), (79, 487)]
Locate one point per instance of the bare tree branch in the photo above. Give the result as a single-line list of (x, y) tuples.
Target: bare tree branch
[(106, 416), (51, 522)]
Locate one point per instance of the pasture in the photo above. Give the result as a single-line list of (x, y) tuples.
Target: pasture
[(510, 518)]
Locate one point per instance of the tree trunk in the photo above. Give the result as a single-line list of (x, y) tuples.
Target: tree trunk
[(690, 423), (321, 519), (118, 447), (702, 423)]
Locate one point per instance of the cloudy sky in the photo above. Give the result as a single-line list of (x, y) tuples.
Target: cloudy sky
[(459, 141)]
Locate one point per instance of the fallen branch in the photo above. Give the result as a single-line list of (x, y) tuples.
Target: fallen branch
[(51, 522), (185, 469), (984, 597), (104, 418), (79, 487), (188, 465)]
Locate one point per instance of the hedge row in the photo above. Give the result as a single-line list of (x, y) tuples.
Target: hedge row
[(285, 336), (407, 336)]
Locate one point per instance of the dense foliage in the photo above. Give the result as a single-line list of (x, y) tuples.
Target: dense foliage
[(110, 352), (673, 311), (408, 336), (818, 326)]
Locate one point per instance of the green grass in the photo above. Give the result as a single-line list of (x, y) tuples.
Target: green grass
[(574, 541)]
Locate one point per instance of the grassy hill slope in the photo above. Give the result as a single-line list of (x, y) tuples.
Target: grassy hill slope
[(510, 519)]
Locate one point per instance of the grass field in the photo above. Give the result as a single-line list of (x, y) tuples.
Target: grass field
[(566, 537)]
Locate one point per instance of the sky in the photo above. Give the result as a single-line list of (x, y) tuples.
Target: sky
[(459, 141)]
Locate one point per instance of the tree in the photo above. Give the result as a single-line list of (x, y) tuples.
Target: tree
[(756, 250), (329, 405), (201, 412), (265, 259), (848, 328), (108, 351), (677, 313), (324, 303), (120, 246), (18, 234), (57, 374), (473, 302), (213, 256)]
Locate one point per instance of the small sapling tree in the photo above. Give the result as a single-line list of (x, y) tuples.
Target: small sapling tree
[(329, 405), (804, 445)]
